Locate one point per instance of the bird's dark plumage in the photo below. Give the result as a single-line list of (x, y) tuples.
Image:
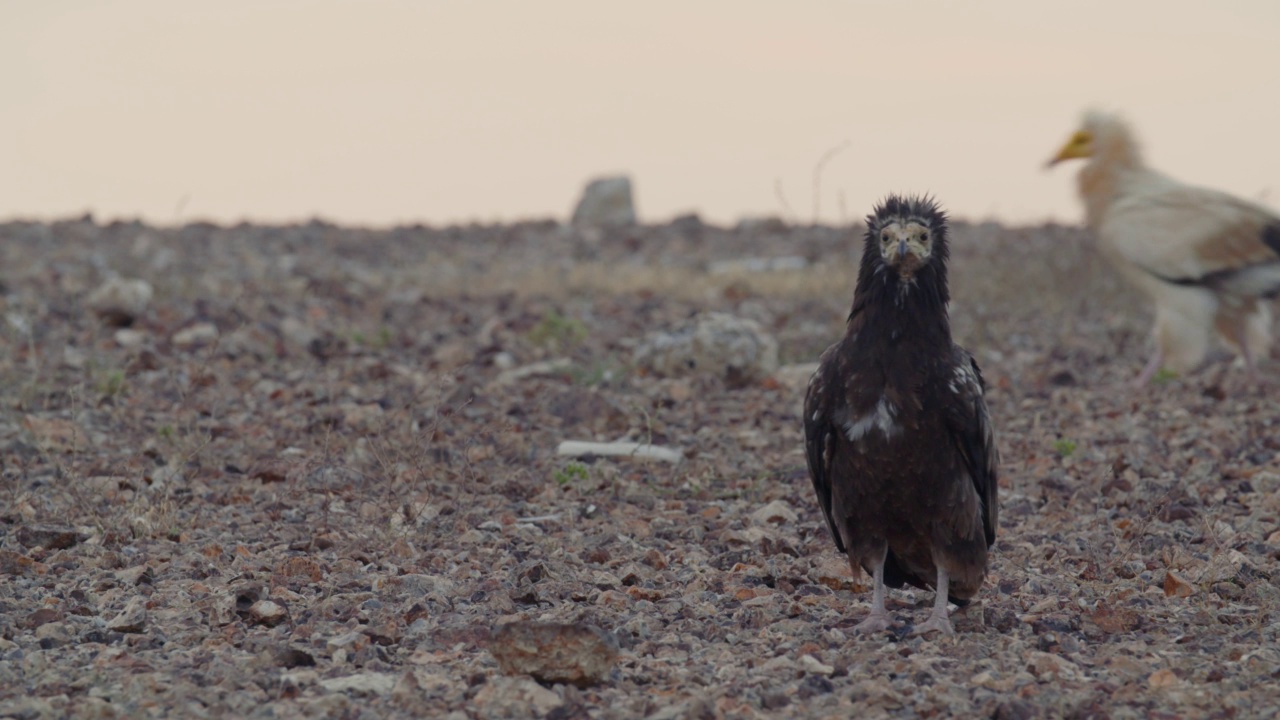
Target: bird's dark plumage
[(898, 441)]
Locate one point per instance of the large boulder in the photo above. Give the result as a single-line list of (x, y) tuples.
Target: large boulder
[(606, 201), (733, 348)]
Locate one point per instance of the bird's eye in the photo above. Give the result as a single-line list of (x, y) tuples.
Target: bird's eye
[(884, 236), (924, 236)]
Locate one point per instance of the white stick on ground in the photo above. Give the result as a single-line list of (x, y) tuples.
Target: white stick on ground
[(579, 448), (546, 367)]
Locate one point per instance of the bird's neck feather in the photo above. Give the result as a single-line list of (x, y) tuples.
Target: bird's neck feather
[(895, 308), (1100, 179)]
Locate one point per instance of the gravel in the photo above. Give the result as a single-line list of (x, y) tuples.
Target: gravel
[(299, 484)]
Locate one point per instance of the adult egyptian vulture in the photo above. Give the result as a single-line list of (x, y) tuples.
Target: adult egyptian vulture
[(1208, 260), (897, 438)]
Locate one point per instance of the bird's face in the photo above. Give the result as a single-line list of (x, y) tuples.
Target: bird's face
[(906, 245), (1080, 145)]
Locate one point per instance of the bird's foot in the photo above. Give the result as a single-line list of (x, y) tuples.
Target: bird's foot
[(935, 623), (877, 622), (1149, 370), (1257, 385)]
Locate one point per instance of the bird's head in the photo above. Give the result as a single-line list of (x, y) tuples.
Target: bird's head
[(1098, 133), (907, 234)]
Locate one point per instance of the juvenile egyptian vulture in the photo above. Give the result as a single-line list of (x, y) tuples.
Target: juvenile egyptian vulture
[(1208, 260), (899, 445)]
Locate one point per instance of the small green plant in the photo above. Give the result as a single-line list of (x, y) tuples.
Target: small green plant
[(379, 340), (165, 431), (1164, 375), (112, 383), (557, 331), (1064, 447), (571, 472)]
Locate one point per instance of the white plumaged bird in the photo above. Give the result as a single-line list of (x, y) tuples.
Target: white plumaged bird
[(1208, 260)]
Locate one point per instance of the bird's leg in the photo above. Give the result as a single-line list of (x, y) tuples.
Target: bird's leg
[(878, 620), (938, 620), (1256, 382), (1149, 371), (1250, 362)]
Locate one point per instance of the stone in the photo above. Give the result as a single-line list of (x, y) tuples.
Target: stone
[(27, 708), (41, 617), (268, 613), (793, 383), (136, 575), (130, 620), (580, 407), (201, 333), (1118, 619), (118, 301), (362, 418), (1014, 709), (414, 584), (1177, 586), (576, 654), (74, 358), (53, 634), (129, 338), (775, 513), (1161, 679), (735, 349), (298, 333), (1223, 566), (50, 537), (832, 570), (407, 690), (504, 697), (744, 266), (350, 642), (761, 225), (1047, 666), (56, 434), (815, 666), (606, 201), (286, 657), (372, 683), (12, 563)]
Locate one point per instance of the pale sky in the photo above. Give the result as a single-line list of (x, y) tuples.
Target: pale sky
[(377, 111)]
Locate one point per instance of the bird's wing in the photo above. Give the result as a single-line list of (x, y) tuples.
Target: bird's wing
[(1194, 236), (971, 431), (819, 438)]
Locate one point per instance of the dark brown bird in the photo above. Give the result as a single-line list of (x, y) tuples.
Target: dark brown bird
[(899, 445)]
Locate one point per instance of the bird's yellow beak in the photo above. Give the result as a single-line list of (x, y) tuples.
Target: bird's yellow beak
[(1080, 145)]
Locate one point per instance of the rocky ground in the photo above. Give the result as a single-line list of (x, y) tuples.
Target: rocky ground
[(313, 473)]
